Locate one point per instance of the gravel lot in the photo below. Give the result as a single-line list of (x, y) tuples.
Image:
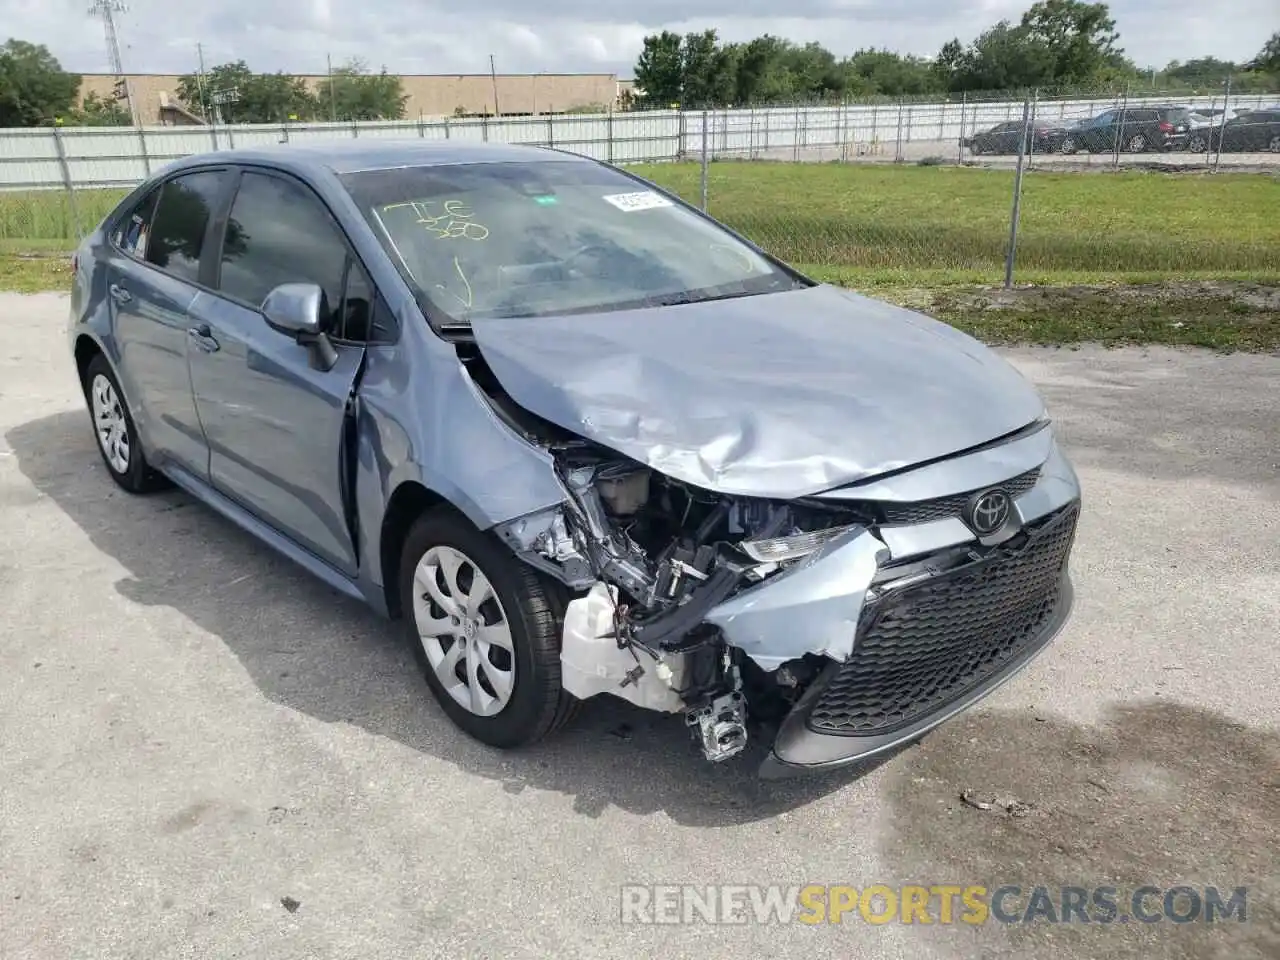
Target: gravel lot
[(196, 734)]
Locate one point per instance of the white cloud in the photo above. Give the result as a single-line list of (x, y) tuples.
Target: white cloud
[(574, 35)]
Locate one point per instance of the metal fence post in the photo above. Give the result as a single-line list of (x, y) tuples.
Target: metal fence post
[(767, 111), (65, 167), (446, 128), (682, 148), (841, 131), (795, 137), (1124, 109), (897, 150), (551, 130), (284, 131), (484, 126), (1017, 201), (142, 144), (355, 129), (1222, 128), (213, 135), (609, 132), (704, 161), (422, 131), (1029, 130), (964, 102)]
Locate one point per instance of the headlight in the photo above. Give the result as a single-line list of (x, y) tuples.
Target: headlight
[(779, 549)]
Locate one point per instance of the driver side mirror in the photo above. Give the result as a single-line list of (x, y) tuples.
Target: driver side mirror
[(297, 310)]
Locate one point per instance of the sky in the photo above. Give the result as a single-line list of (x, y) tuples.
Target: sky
[(573, 36)]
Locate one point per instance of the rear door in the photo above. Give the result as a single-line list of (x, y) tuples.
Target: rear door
[(154, 274), (274, 423)]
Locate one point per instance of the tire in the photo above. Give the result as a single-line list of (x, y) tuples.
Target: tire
[(1068, 146), (115, 433), (1136, 144), (1274, 144), (1197, 144), (444, 550)]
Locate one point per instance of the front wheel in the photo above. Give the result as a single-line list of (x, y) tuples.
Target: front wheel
[(1137, 143), (1067, 146), (485, 630), (1274, 144), (1197, 144)]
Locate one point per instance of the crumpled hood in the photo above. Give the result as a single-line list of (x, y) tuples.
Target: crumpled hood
[(781, 396)]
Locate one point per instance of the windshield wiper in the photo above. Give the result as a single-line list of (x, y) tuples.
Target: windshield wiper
[(693, 296)]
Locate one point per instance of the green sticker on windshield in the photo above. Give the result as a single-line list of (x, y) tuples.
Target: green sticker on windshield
[(545, 201)]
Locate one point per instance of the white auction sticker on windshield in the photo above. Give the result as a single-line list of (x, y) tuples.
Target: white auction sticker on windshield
[(643, 200)]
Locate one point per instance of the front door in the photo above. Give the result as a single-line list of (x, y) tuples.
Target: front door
[(273, 421)]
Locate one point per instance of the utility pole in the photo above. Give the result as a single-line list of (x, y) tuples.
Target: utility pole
[(493, 74), (204, 103), (106, 10), (333, 101)]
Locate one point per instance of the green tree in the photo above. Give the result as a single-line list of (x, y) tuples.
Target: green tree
[(885, 72), (1080, 39), (659, 71), (99, 112), (1002, 58), (34, 89), (354, 93), (260, 97), (1268, 58), (762, 74)]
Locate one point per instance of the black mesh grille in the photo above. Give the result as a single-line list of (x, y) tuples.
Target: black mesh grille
[(922, 511), (923, 646)]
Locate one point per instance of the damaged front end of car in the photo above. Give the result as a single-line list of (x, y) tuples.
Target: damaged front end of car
[(730, 559)]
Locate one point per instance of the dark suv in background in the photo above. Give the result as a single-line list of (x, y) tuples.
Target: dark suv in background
[(1134, 129)]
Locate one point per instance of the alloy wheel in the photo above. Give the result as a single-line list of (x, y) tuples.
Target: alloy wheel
[(464, 630), (110, 424), (1274, 145)]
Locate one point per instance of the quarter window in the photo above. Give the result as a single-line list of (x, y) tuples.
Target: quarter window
[(181, 221), (134, 228)]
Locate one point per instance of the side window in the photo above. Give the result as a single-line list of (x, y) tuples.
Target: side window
[(180, 222), (134, 228), (278, 233)]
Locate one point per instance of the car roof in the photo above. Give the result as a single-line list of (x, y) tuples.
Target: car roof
[(352, 155)]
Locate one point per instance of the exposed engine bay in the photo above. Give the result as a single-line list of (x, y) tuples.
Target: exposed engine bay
[(647, 556)]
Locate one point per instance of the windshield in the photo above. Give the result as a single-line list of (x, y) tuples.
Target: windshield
[(549, 238)]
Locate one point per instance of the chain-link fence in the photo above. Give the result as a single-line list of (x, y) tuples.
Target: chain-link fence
[(922, 191), (990, 191)]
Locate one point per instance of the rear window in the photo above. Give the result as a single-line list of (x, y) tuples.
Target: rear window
[(181, 221), (1177, 113)]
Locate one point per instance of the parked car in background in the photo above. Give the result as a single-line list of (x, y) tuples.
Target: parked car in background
[(1203, 120), (582, 439), (1004, 137), (1254, 131), (1133, 129)]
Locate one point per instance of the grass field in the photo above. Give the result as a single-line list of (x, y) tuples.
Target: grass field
[(911, 228), (875, 225)]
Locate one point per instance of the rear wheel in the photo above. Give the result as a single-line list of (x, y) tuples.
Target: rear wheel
[(115, 432), (485, 630), (1136, 143), (1067, 146), (1197, 144), (1274, 144)]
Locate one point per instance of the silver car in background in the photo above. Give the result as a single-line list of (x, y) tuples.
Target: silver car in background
[(582, 439)]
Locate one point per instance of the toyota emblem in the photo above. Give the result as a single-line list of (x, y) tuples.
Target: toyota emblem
[(988, 511)]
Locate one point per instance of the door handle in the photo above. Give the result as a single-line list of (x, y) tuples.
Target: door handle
[(203, 337), (119, 294)]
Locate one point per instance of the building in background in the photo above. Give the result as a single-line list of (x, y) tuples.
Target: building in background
[(430, 96)]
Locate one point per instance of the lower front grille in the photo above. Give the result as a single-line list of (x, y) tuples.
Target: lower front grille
[(923, 646)]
